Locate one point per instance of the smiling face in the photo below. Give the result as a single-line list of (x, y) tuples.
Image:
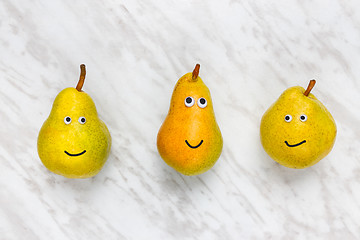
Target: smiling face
[(297, 131), (194, 107), (73, 141), (288, 118), (189, 139)]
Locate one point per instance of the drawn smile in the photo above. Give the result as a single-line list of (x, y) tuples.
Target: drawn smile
[(295, 145), (76, 154), (194, 146)]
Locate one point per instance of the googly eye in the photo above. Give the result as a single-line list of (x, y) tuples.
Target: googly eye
[(288, 118), (189, 101), (67, 120), (303, 118), (82, 120), (202, 102)]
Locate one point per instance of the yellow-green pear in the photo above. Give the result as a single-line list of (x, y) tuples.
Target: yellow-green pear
[(73, 141), (297, 131), (190, 140)]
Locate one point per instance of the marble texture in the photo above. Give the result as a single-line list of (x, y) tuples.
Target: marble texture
[(135, 51)]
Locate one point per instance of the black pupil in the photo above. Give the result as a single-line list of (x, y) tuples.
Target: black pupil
[(287, 118), (82, 120), (302, 117), (202, 101), (68, 119), (188, 100)]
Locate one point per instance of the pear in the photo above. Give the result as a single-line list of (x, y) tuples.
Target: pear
[(190, 140), (297, 131), (73, 141)]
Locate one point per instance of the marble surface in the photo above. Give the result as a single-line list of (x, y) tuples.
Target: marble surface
[(135, 51)]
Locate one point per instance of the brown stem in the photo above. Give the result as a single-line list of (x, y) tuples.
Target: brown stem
[(82, 77), (195, 73), (311, 85)]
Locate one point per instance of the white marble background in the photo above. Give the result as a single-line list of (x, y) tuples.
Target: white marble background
[(135, 51)]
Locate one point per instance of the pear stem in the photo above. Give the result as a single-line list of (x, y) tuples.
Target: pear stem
[(82, 77), (311, 85), (195, 73)]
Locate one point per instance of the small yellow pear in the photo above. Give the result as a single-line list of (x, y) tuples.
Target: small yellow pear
[(73, 141), (297, 131), (190, 140)]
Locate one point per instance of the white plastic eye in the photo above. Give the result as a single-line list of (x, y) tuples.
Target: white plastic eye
[(303, 118), (82, 120), (189, 101), (288, 118), (67, 120), (202, 102)]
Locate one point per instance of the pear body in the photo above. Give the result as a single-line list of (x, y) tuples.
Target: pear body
[(75, 149), (297, 131), (189, 139)]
